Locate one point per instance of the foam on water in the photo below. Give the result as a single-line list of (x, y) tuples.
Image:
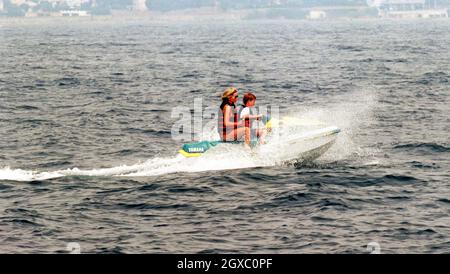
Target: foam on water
[(151, 167), (26, 175), (350, 112)]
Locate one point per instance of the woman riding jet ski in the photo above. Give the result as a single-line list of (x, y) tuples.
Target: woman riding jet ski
[(229, 126), (236, 122)]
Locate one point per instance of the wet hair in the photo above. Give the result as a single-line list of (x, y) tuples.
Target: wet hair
[(249, 97), (224, 103)]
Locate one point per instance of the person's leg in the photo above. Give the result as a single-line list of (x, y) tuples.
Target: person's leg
[(261, 135), (236, 134), (247, 135)]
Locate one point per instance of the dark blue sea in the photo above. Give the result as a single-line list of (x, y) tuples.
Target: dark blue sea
[(87, 155)]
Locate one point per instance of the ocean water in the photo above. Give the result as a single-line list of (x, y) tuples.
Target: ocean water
[(87, 154)]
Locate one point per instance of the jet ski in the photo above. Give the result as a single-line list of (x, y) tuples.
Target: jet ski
[(290, 139)]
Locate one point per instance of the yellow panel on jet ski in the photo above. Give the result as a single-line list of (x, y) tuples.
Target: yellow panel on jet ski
[(291, 121), (187, 154)]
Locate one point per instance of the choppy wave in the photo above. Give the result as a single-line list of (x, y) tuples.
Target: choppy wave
[(428, 147), (433, 77)]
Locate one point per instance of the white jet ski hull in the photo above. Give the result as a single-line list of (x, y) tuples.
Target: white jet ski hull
[(291, 148), (302, 147)]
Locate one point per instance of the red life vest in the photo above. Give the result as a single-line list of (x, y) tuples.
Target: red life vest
[(221, 128)]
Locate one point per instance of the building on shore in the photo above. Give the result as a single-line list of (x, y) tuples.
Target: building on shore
[(139, 6), (408, 8), (72, 13), (316, 15), (18, 2)]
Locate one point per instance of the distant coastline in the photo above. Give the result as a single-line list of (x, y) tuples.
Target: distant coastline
[(311, 13)]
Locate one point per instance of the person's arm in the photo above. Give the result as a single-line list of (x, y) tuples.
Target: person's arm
[(257, 117), (245, 114), (226, 117)]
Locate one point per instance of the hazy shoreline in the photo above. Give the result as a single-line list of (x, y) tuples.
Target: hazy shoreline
[(217, 14)]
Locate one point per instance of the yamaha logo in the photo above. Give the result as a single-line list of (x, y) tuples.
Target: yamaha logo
[(196, 149)]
